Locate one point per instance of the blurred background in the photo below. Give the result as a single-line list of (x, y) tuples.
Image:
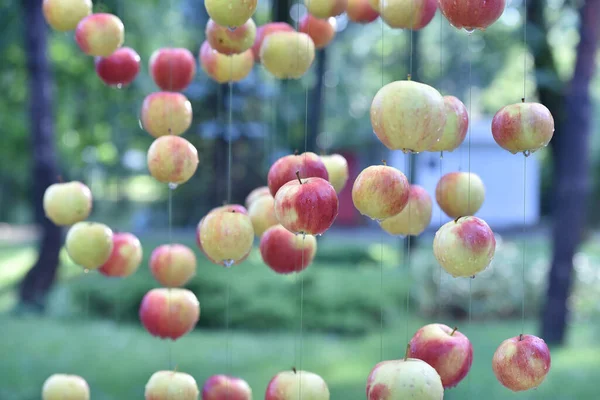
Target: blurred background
[(58, 119)]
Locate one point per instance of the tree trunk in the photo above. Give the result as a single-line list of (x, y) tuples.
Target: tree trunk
[(317, 103), (39, 279)]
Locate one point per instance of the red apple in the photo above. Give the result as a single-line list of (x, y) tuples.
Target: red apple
[(172, 69), (228, 42), (285, 252), (172, 159), (380, 192), (472, 14), (100, 34), (265, 30), (173, 265), (361, 12), (166, 113), (257, 193), (226, 236), (455, 129), (374, 4), (460, 194), (65, 387), (402, 14), (231, 13), (414, 218), (222, 68), (326, 8), (169, 313), (238, 208), (321, 31), (171, 385), (125, 258), (407, 378), (337, 169), (120, 68), (223, 387), (287, 55), (287, 385), (283, 170), (64, 15), (522, 362)]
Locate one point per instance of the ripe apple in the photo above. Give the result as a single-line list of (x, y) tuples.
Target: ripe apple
[(407, 14), (380, 192), (407, 378), (414, 218), (523, 127), (285, 252), (89, 244), (171, 385), (265, 30), (173, 265), (169, 312), (460, 194), (232, 13), (287, 55), (286, 385), (257, 193), (125, 258), (284, 169), (120, 68), (522, 362), (408, 116), (262, 214), (464, 246), (308, 206), (228, 42), (64, 15), (445, 349), (361, 11), (67, 203), (326, 8), (374, 4), (321, 31), (65, 387), (223, 387), (172, 159), (472, 14), (166, 113), (172, 69), (222, 68), (100, 34), (455, 129), (226, 236), (337, 169)]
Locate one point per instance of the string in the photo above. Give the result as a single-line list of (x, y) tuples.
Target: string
[(382, 297), (408, 249), (469, 35), (439, 294), (524, 172)]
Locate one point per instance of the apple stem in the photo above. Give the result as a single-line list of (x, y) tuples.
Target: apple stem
[(522, 99), (454, 330), (456, 220), (409, 77), (407, 350), (296, 152), (60, 179), (384, 162), (520, 337), (295, 370), (298, 175)]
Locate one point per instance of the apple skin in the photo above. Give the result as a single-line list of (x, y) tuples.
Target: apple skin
[(414, 218), (408, 116), (100, 34), (65, 387), (173, 265), (407, 14), (309, 207), (262, 214), (172, 159), (523, 127), (287, 55), (321, 31), (255, 194), (222, 68), (409, 378), (286, 386), (326, 8), (226, 236), (172, 69), (125, 258), (337, 170), (465, 246), (361, 12), (448, 351), (67, 203), (222, 387), (472, 14), (460, 194), (455, 129), (64, 15), (285, 252), (120, 68), (231, 207), (380, 192), (89, 244), (374, 4), (169, 312), (522, 362), (228, 42), (232, 13), (284, 170), (170, 385), (265, 30), (166, 113)]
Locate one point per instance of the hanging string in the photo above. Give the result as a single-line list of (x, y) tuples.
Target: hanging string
[(469, 35), (408, 251), (525, 54), (439, 294), (382, 296)]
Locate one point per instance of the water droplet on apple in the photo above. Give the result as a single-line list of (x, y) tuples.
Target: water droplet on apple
[(228, 263), (232, 28), (469, 31), (140, 123), (172, 186), (527, 153), (441, 155), (319, 235), (85, 270), (118, 86)]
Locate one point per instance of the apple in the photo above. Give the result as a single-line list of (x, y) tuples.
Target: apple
[(407, 378), (262, 214), (523, 127), (361, 11), (226, 41), (464, 246), (226, 236), (472, 14), (172, 159), (230, 208), (67, 203), (172, 69), (257, 193), (308, 206), (408, 116), (125, 257), (326, 8), (414, 218), (120, 68), (285, 252), (447, 350), (173, 265), (166, 113), (265, 30), (283, 170), (407, 14), (287, 55), (64, 15), (65, 387), (171, 385), (522, 362), (337, 170), (460, 194), (231, 13), (380, 192), (89, 244), (455, 129), (222, 68), (321, 31), (169, 312), (223, 387), (100, 34), (287, 385)]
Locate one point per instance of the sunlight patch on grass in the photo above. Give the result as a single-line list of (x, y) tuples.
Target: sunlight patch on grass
[(14, 264)]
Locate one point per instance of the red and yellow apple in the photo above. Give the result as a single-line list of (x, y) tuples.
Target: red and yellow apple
[(337, 169), (120, 68), (287, 55), (172, 69), (308, 165), (265, 30), (66, 203), (361, 11), (374, 4), (287, 385), (326, 8), (223, 387), (173, 265), (455, 129), (169, 312), (226, 236), (166, 113), (407, 378), (226, 41), (472, 14), (64, 15), (262, 214), (460, 194), (65, 387), (231, 13), (380, 192), (257, 193), (171, 385), (285, 252), (321, 31), (414, 218), (172, 159), (100, 34), (125, 258), (223, 68), (89, 244), (407, 14)]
